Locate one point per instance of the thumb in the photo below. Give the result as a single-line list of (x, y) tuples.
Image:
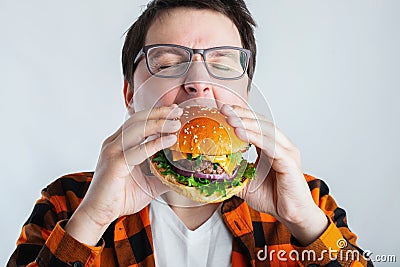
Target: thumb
[(159, 187)]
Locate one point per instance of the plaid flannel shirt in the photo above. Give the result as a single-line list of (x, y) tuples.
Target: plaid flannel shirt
[(128, 240)]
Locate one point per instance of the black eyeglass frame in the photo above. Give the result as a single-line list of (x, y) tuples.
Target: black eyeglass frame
[(192, 52)]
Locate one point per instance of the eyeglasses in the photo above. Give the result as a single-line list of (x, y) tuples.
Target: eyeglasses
[(173, 61)]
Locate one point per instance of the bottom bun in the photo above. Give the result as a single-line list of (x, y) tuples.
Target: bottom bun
[(191, 192)]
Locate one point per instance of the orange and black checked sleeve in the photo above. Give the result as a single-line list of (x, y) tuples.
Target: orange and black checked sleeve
[(42, 241), (259, 239), (337, 245)]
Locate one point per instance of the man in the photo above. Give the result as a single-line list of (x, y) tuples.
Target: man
[(109, 218)]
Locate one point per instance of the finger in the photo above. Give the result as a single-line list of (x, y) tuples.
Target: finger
[(112, 137), (159, 188), (171, 112), (238, 111), (138, 154), (265, 128), (271, 146), (151, 185), (137, 133), (266, 143)]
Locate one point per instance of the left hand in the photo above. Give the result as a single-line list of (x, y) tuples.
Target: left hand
[(284, 193)]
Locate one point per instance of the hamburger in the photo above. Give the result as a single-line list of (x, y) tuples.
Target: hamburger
[(206, 163)]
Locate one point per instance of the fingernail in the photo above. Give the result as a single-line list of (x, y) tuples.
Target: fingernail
[(175, 124), (235, 121), (227, 106), (227, 109), (177, 111), (241, 133)]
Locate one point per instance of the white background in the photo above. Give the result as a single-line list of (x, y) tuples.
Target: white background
[(329, 70)]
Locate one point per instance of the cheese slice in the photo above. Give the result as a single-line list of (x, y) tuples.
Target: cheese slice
[(177, 155)]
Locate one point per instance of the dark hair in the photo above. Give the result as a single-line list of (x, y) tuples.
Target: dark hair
[(235, 10)]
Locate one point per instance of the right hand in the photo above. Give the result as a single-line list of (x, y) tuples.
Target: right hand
[(119, 187)]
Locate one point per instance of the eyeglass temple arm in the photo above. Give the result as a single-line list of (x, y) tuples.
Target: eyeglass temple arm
[(139, 55)]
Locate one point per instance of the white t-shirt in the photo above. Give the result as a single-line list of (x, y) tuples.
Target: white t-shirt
[(175, 245)]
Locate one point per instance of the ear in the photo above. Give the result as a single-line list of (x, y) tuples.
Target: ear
[(128, 94)]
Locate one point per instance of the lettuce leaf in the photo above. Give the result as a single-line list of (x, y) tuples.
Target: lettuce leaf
[(246, 170)]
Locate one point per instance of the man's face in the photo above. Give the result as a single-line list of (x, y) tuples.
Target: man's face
[(196, 29)]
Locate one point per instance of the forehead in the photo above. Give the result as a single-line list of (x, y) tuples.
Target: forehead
[(195, 28)]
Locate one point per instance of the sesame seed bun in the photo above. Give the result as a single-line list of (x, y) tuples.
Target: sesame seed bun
[(205, 131)]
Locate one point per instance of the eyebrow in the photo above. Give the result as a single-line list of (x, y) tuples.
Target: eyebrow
[(166, 49), (230, 54)]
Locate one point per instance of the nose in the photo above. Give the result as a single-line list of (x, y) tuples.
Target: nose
[(197, 81), (197, 89)]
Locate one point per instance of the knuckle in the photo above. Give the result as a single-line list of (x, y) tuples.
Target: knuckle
[(109, 149), (160, 124), (160, 110), (108, 140), (152, 126), (106, 145), (295, 152)]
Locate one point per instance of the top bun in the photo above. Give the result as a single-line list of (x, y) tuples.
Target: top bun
[(205, 131)]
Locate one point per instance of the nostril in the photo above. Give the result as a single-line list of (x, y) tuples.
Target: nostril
[(192, 90)]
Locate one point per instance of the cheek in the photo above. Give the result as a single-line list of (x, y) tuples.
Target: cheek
[(150, 91), (168, 98), (140, 76), (233, 93)]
